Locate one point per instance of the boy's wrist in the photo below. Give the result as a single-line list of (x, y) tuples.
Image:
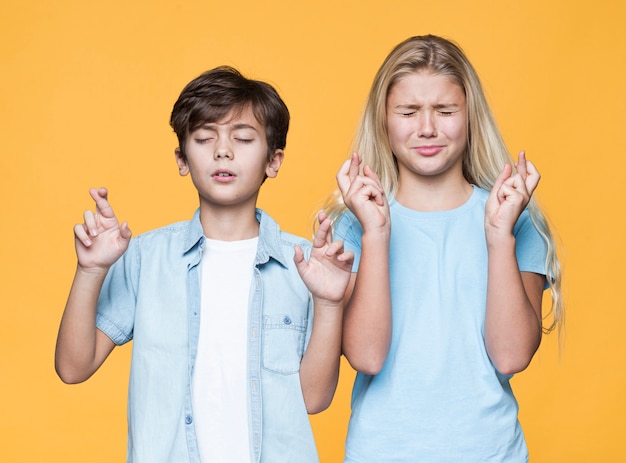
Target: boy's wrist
[(328, 304), (91, 272)]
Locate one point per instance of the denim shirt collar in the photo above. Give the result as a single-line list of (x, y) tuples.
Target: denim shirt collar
[(269, 238), (195, 234)]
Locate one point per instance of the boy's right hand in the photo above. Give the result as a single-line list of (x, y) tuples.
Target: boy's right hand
[(364, 195), (100, 240)]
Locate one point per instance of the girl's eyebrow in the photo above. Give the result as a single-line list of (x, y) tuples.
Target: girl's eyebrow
[(446, 105), (436, 106)]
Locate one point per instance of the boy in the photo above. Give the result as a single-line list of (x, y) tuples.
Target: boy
[(227, 358)]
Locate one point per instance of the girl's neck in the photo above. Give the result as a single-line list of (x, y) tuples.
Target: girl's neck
[(430, 194)]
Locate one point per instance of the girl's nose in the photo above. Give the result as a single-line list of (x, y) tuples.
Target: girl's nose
[(426, 125)]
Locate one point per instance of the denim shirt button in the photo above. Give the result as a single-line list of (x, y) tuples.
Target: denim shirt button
[(287, 320), (188, 419)]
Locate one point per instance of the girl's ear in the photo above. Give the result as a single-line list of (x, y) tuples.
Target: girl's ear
[(274, 164), (181, 161)]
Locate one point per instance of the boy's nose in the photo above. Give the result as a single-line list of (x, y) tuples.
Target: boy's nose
[(223, 150)]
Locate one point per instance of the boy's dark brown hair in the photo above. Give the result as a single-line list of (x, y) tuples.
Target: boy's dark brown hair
[(222, 91)]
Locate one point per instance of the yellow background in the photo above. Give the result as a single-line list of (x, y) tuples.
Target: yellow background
[(87, 88)]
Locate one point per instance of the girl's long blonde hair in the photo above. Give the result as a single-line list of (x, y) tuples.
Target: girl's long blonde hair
[(486, 153)]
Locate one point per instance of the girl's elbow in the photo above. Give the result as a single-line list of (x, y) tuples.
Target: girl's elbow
[(512, 364), (510, 368), (369, 364)]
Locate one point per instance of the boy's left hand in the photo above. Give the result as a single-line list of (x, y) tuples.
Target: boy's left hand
[(328, 270)]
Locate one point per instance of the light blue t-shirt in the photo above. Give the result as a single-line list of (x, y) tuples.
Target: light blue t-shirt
[(152, 296), (438, 398)]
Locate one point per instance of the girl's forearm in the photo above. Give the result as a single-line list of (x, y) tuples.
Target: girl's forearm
[(367, 320), (513, 314)]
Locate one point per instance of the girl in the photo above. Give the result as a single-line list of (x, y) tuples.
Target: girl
[(446, 304)]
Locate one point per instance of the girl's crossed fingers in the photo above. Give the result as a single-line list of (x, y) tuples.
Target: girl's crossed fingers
[(348, 173), (528, 172), (351, 183)]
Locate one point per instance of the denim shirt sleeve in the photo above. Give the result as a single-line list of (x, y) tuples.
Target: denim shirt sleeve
[(117, 300)]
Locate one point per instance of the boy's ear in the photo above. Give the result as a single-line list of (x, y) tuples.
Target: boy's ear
[(183, 168), (275, 162)]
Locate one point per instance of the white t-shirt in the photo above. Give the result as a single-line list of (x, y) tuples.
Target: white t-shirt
[(219, 383)]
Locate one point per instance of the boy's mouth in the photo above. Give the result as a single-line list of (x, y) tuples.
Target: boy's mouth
[(223, 176), (223, 173)]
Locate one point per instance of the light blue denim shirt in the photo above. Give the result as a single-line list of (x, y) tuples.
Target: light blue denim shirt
[(152, 296)]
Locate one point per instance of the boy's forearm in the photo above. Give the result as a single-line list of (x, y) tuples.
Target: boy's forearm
[(80, 350), (367, 321), (319, 369)]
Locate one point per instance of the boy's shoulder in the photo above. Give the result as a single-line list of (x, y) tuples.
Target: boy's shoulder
[(291, 239), (175, 228), (184, 234), (270, 232)]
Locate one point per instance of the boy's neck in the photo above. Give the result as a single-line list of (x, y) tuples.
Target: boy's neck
[(228, 224)]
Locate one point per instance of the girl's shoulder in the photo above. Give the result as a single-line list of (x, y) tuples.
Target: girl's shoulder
[(346, 224)]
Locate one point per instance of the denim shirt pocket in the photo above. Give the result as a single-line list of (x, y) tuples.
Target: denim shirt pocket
[(283, 343)]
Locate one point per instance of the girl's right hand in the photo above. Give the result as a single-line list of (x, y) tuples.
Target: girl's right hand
[(364, 195), (100, 240)]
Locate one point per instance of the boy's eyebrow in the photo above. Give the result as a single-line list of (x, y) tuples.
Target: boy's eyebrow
[(242, 125), (237, 126)]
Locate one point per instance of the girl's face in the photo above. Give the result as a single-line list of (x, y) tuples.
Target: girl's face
[(427, 127)]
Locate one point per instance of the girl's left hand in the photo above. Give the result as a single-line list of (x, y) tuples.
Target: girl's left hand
[(509, 196)]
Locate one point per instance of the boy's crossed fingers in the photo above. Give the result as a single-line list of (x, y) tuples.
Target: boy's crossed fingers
[(100, 239)]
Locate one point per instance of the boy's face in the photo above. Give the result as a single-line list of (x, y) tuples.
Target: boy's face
[(227, 160)]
